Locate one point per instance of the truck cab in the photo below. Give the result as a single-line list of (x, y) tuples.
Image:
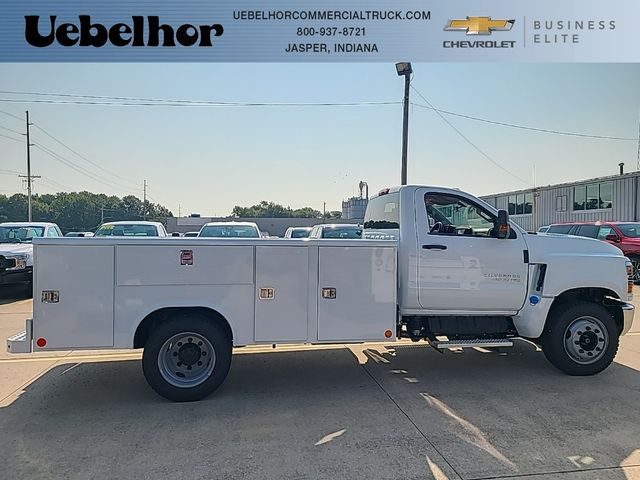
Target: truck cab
[(461, 276)]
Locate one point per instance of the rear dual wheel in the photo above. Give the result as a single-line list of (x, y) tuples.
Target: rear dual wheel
[(186, 357)]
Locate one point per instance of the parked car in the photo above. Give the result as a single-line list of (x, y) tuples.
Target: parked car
[(78, 234), (297, 232), (16, 250), (338, 230), (230, 230), (191, 234), (624, 235), (131, 229), (544, 229)]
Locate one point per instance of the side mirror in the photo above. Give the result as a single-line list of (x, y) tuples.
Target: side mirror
[(612, 237), (502, 227)]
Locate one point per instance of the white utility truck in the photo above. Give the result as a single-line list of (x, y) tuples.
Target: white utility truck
[(437, 265)]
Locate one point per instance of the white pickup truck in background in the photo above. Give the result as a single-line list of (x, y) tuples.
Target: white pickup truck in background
[(16, 250), (438, 265)]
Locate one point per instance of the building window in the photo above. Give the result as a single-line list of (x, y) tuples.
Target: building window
[(594, 196), (606, 195), (561, 203), (528, 203), (520, 204)]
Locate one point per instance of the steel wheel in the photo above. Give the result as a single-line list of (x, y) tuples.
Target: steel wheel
[(186, 360), (586, 339), (635, 262)]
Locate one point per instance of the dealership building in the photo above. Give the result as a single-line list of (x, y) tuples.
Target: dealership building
[(613, 198)]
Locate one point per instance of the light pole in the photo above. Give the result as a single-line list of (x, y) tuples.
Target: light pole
[(404, 69)]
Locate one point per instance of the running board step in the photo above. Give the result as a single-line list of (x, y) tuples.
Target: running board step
[(485, 343)]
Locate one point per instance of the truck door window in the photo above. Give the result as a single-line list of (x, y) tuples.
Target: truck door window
[(604, 231), (452, 215), (561, 229), (589, 231)]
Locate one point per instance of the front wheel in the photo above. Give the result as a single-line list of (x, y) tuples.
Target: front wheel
[(580, 338), (186, 357)]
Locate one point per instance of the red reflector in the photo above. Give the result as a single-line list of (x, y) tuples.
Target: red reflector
[(41, 342), (388, 333)]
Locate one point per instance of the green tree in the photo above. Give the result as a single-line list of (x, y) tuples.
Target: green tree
[(78, 210), (307, 212), (273, 210)]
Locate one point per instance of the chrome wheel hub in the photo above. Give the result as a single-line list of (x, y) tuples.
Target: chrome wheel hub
[(586, 340), (186, 360)]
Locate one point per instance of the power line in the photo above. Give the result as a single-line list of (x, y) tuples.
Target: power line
[(524, 127), (79, 155), (9, 172), (478, 149), (78, 168), (11, 115), (11, 130), (10, 138), (55, 185), (113, 101), (138, 101)]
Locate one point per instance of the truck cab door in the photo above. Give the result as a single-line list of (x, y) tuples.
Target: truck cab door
[(462, 266)]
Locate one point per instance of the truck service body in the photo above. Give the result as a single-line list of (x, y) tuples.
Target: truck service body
[(436, 264)]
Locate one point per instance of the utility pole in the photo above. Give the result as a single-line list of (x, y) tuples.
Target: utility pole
[(28, 175), (324, 211), (144, 201), (405, 129), (404, 70)]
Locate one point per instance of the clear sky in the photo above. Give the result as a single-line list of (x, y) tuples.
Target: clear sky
[(209, 159)]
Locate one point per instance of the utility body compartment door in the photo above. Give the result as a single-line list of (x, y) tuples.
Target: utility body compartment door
[(281, 299), (76, 310), (356, 293)]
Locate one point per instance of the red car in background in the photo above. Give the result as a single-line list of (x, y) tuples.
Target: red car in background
[(624, 235)]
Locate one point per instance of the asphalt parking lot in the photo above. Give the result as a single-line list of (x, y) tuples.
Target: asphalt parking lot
[(383, 411)]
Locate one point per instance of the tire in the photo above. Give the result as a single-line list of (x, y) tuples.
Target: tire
[(635, 261), (186, 357), (28, 290), (594, 330)]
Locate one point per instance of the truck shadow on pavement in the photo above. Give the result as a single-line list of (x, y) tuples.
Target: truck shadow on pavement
[(10, 294), (400, 411)]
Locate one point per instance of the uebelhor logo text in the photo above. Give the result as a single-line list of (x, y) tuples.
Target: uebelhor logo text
[(120, 34)]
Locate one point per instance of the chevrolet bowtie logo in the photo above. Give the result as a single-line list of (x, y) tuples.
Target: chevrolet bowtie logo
[(479, 25)]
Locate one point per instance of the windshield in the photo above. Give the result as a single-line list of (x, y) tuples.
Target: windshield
[(229, 231), (300, 233), (132, 230), (342, 232), (630, 229), (20, 234)]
